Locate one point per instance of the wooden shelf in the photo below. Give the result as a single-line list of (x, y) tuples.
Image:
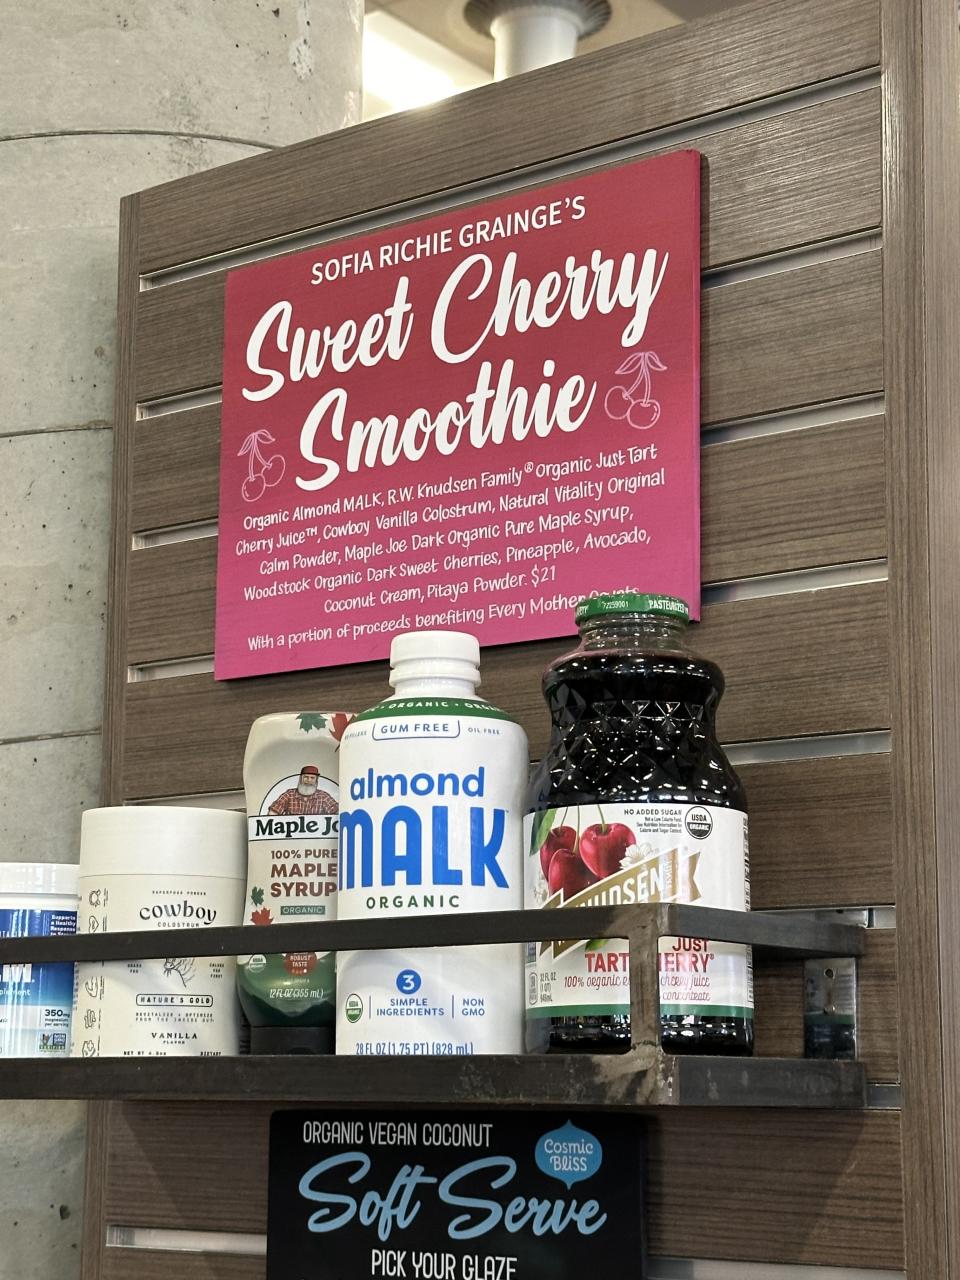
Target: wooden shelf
[(636, 1079), (642, 1077)]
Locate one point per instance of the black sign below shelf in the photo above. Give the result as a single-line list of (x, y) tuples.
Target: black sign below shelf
[(453, 1195)]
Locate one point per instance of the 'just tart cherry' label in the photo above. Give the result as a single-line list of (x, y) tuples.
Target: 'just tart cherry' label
[(621, 854)]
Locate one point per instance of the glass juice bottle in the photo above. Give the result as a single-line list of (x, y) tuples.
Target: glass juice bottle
[(635, 801)]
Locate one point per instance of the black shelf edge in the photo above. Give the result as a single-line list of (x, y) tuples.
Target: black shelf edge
[(644, 1077), (783, 935), (638, 1079)]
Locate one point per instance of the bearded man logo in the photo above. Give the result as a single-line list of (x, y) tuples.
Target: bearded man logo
[(305, 797)]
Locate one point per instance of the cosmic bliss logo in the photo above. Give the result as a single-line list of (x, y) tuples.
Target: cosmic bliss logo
[(452, 1196)]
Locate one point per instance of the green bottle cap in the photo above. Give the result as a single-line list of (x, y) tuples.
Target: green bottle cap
[(621, 602)]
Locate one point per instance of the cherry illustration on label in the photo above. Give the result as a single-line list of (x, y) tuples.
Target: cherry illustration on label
[(568, 874), (262, 472), (558, 838), (634, 402), (603, 846)]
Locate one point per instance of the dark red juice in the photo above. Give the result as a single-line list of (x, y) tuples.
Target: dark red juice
[(635, 801)]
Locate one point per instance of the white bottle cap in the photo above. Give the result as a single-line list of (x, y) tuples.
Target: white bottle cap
[(58, 879), (451, 655)]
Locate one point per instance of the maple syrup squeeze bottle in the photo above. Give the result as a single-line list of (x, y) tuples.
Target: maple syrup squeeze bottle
[(291, 780)]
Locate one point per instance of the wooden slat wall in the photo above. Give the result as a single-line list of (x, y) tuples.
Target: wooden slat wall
[(921, 56), (154, 1264), (777, 1187), (732, 60), (787, 173), (809, 662), (837, 804)]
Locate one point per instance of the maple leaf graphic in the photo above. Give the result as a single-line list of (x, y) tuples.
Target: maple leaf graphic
[(338, 723), (256, 896), (311, 720), (262, 916)]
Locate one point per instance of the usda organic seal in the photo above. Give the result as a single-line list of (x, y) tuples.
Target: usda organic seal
[(353, 1008)]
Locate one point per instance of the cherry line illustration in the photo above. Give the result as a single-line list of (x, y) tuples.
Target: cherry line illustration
[(641, 411), (262, 472)]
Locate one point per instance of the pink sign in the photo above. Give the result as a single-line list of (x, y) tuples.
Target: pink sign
[(466, 422)]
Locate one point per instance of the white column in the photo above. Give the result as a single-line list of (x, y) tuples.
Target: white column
[(99, 98)]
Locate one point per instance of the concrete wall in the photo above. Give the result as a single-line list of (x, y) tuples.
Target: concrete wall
[(98, 99)]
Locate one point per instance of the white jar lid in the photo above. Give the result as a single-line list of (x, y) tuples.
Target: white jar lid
[(163, 840), (58, 879)]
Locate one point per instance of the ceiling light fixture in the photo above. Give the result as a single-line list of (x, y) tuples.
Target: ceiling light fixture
[(529, 34)]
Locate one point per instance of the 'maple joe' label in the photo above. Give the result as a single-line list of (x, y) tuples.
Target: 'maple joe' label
[(292, 876), (621, 854), (290, 773), (431, 805)]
